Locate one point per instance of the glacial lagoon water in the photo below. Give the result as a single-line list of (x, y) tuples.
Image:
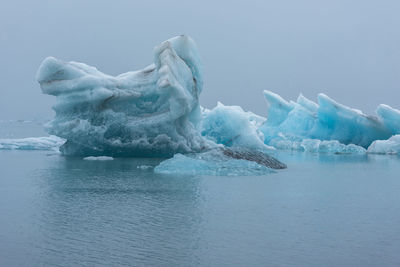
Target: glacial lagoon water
[(324, 210)]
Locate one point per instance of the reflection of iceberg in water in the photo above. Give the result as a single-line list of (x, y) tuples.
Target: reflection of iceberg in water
[(117, 212)]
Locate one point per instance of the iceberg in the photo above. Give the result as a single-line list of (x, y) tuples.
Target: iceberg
[(32, 143), (390, 146), (231, 126), (318, 146), (220, 162), (153, 112), (289, 123), (390, 118)]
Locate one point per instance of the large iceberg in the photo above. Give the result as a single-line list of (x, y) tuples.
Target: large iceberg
[(152, 112), (290, 124), (155, 112)]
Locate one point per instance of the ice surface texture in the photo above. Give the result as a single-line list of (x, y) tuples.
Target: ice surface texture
[(153, 112), (289, 124)]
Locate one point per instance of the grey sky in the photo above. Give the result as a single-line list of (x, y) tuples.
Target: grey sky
[(349, 50)]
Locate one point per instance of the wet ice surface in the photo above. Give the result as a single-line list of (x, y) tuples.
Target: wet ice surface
[(324, 210)]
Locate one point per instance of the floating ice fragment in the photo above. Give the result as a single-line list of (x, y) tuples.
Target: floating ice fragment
[(218, 163), (99, 158), (390, 146), (32, 143), (145, 167), (233, 127)]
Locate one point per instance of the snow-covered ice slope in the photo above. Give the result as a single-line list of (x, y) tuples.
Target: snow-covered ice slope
[(152, 112), (290, 123)]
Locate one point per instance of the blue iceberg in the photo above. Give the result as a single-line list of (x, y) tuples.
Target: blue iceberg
[(325, 127)]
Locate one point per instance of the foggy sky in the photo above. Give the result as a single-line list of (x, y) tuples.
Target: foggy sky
[(349, 50)]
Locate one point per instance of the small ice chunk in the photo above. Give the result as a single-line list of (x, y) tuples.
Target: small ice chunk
[(231, 126), (214, 162), (144, 167), (390, 146), (99, 158)]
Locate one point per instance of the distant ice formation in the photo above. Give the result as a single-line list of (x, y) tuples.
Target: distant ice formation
[(99, 158), (32, 143), (291, 124), (153, 112)]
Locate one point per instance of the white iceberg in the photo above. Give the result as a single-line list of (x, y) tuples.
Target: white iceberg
[(153, 112), (390, 146), (32, 143)]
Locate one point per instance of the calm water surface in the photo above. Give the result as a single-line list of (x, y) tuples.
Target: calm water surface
[(322, 211)]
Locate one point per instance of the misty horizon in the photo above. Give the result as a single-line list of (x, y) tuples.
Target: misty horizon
[(348, 51)]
